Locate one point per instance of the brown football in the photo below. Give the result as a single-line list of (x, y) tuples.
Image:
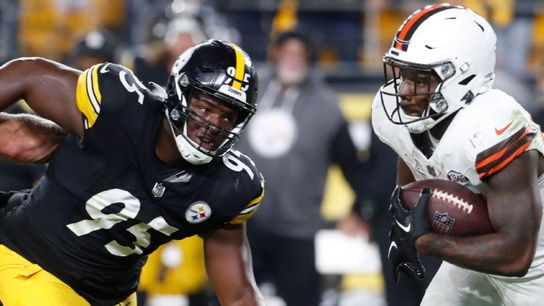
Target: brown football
[(453, 209)]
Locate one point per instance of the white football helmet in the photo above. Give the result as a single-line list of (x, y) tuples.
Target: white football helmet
[(450, 42)]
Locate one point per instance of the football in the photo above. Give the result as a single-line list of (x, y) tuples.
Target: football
[(452, 210)]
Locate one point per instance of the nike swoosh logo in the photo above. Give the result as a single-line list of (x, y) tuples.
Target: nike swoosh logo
[(500, 131), (392, 246), (404, 228)]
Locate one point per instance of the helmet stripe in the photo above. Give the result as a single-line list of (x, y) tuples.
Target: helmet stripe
[(412, 23), (240, 67)]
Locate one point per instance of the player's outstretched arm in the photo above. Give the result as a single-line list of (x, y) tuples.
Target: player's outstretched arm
[(515, 211), (48, 87), (28, 138), (228, 263)]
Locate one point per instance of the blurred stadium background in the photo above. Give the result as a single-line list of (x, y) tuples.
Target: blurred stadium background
[(351, 37), (351, 34)]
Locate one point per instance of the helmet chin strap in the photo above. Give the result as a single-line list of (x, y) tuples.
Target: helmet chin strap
[(416, 125), (187, 151), (419, 126), (191, 154)]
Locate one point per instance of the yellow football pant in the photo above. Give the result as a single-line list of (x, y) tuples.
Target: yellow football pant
[(23, 283)]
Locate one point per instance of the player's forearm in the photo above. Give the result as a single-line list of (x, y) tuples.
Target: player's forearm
[(495, 253), (28, 138), (235, 290), (11, 87), (48, 87)]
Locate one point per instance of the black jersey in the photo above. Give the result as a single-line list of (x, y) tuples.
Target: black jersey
[(107, 201)]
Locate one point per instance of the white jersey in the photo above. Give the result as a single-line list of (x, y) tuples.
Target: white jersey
[(481, 140)]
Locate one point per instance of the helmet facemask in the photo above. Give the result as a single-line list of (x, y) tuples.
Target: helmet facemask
[(451, 42), (211, 95), (215, 140), (427, 84)]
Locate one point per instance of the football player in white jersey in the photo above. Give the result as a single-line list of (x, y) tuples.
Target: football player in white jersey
[(439, 113)]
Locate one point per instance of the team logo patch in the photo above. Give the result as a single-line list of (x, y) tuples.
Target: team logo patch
[(457, 177), (442, 223), (158, 190), (198, 212)]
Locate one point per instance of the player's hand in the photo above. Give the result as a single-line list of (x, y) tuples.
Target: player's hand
[(407, 226), (413, 222), (402, 256)]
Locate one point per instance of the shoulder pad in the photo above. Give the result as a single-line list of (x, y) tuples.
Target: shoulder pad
[(106, 86), (238, 162), (505, 131)]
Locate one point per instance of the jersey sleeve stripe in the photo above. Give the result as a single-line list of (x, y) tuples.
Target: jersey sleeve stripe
[(240, 68), (83, 102), (490, 155), (504, 163), (497, 157), (96, 89), (88, 96), (248, 211), (93, 89)]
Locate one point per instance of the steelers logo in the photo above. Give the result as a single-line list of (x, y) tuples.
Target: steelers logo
[(198, 212), (272, 133)]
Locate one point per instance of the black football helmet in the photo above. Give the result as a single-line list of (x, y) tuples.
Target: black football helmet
[(222, 70)]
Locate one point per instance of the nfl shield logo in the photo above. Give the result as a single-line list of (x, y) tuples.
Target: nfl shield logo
[(158, 190), (442, 223), (457, 177)]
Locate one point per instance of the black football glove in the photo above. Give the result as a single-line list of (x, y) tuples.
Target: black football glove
[(407, 226), (402, 256)]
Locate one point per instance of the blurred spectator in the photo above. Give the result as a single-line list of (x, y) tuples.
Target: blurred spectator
[(96, 46), (378, 181), (175, 275), (49, 28), (295, 136), (155, 59), (538, 114), (9, 26)]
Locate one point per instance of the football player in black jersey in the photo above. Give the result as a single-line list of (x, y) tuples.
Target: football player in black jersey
[(129, 170)]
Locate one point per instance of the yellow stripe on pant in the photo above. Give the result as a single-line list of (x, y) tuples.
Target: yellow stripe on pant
[(23, 283)]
